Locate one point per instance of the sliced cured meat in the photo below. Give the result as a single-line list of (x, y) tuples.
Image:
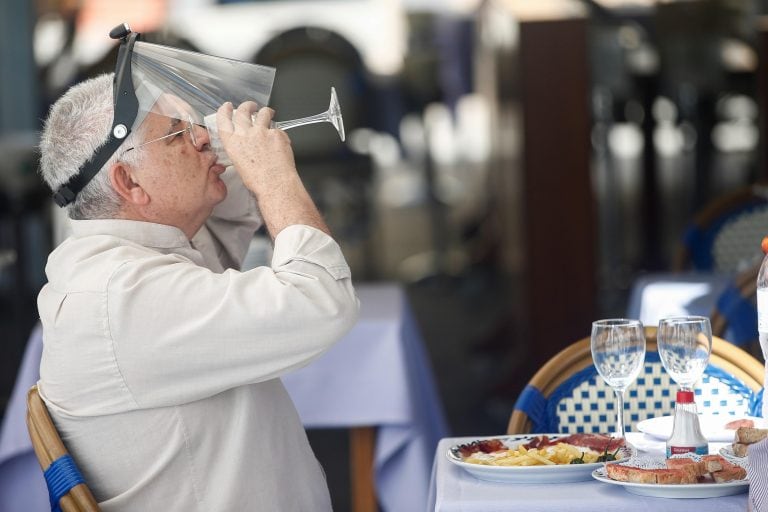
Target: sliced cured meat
[(484, 446), (597, 442)]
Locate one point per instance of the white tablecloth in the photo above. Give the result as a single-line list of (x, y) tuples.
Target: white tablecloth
[(378, 375), (453, 489)]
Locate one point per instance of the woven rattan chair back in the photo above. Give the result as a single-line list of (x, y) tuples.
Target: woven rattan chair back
[(567, 395)]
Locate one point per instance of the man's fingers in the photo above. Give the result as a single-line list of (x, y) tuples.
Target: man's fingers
[(243, 113), (224, 119), (263, 117)]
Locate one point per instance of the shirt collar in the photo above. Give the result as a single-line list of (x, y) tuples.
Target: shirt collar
[(147, 234)]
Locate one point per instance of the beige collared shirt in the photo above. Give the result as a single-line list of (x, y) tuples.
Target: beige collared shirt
[(161, 369)]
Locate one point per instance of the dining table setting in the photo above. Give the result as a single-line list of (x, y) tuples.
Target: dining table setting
[(667, 462)]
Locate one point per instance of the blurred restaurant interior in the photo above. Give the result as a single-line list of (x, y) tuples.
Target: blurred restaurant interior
[(516, 166)]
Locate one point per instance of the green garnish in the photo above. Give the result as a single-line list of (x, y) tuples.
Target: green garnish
[(579, 460), (605, 457)]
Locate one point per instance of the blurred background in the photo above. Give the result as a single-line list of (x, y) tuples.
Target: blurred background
[(515, 164)]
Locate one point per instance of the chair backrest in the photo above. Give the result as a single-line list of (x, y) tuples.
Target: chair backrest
[(567, 394), (66, 486), (725, 235), (735, 312)]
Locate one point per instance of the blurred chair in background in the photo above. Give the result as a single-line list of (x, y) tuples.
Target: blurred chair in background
[(725, 236), (735, 313), (567, 395), (309, 61), (714, 270)]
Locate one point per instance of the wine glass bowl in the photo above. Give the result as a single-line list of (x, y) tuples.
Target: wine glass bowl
[(684, 344), (618, 352)]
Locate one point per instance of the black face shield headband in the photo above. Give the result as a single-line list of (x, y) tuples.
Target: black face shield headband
[(126, 107)]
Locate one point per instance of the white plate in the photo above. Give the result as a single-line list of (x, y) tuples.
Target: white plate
[(713, 427), (528, 474), (727, 452), (702, 490)]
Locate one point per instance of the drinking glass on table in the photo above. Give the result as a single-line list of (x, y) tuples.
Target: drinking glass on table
[(685, 343), (618, 351)]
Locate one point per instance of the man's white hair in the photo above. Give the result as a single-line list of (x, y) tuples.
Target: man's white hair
[(78, 124)]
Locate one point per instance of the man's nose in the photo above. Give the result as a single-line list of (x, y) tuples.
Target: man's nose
[(202, 137)]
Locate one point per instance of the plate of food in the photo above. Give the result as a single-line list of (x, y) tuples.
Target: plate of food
[(681, 476), (743, 437), (541, 458), (714, 427)]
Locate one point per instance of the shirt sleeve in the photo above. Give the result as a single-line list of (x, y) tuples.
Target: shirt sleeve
[(223, 239), (758, 477), (181, 332)]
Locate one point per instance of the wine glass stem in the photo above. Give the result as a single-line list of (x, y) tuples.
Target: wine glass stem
[(619, 412), (292, 123)]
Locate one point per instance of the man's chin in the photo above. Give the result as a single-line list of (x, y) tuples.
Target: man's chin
[(221, 191)]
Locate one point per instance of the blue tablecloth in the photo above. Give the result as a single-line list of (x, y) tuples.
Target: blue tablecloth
[(378, 375)]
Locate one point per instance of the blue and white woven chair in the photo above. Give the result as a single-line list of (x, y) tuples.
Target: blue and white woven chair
[(66, 487), (567, 395)]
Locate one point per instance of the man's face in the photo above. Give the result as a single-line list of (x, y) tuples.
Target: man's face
[(181, 178)]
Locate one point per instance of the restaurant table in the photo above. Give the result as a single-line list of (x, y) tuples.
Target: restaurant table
[(659, 295), (378, 376), (453, 489)]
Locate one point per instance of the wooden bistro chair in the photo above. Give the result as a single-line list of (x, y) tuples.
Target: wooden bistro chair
[(66, 487), (567, 395)]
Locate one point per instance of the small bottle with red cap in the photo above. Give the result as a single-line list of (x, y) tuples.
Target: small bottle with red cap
[(686, 432)]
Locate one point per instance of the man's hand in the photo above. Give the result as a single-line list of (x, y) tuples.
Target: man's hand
[(264, 159)]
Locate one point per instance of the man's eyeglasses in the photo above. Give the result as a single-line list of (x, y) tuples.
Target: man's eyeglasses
[(189, 128)]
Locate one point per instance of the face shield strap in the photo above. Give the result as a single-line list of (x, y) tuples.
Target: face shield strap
[(126, 107)]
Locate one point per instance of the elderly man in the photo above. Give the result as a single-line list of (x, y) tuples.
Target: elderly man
[(161, 359)]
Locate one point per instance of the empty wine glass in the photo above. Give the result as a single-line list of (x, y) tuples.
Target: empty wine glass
[(618, 351), (332, 115), (684, 344)]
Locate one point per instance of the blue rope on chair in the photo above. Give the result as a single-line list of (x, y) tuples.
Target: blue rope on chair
[(756, 404), (533, 404), (699, 243), (61, 476), (741, 315)]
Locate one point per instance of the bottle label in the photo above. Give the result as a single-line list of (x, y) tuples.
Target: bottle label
[(762, 310), (698, 450)]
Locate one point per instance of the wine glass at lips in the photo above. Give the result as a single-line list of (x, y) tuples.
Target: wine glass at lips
[(332, 115), (618, 351), (684, 344)]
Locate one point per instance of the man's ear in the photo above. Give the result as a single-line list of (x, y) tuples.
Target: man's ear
[(121, 178)]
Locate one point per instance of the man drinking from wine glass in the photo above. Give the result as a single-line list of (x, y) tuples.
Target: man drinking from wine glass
[(161, 360)]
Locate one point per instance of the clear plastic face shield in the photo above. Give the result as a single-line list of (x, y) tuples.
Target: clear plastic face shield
[(185, 86), (173, 83), (192, 86)]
